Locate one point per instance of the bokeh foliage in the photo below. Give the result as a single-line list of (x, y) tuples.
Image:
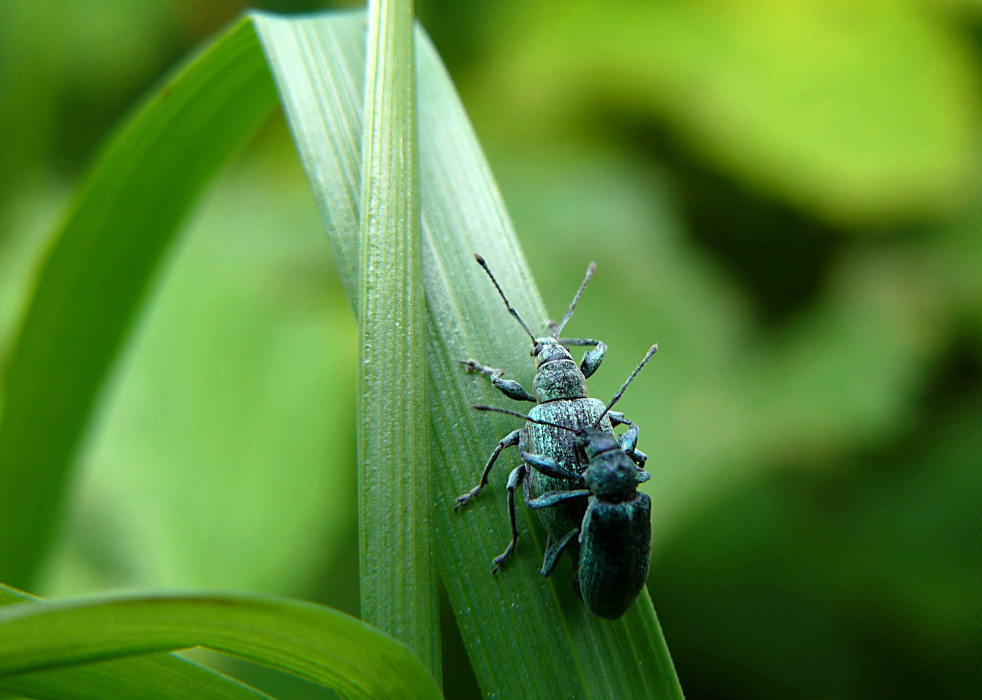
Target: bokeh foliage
[(783, 195)]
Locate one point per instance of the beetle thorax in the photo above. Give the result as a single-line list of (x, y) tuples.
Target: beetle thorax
[(612, 477), (557, 376)]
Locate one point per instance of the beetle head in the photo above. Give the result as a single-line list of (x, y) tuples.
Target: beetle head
[(595, 441), (549, 350)]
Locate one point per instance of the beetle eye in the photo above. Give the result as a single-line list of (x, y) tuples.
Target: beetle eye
[(536, 349)]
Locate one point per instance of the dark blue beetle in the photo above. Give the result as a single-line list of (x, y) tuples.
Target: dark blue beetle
[(615, 535)]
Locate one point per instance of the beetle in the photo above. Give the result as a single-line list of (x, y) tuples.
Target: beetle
[(614, 535), (560, 393)]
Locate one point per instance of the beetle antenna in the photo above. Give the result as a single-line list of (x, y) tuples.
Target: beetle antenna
[(589, 273), (651, 351), (530, 419), (483, 263)]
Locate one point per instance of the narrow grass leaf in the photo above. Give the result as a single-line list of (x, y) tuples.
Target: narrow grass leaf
[(397, 573), (98, 270), (151, 677), (304, 639), (527, 637)]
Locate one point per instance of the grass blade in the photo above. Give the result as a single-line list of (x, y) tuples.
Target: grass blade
[(156, 677), (97, 272), (507, 622), (398, 576), (307, 640)]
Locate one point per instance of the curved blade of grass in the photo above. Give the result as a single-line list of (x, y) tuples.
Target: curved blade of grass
[(95, 275), (397, 573), (527, 637), (156, 677), (307, 640)]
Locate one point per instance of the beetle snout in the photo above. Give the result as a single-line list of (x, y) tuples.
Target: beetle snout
[(548, 350)]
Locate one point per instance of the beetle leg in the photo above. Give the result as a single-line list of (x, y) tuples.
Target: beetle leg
[(591, 358), (554, 551), (510, 440), (629, 440), (553, 497), (643, 476), (548, 466), (514, 479), (508, 387), (580, 342)]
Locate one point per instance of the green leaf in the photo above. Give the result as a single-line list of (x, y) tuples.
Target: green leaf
[(96, 274), (508, 622), (397, 572), (307, 640), (157, 677)]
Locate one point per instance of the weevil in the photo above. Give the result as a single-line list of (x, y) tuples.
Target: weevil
[(614, 535), (560, 393)]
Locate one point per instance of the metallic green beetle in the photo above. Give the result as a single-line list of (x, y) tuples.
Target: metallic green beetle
[(561, 398)]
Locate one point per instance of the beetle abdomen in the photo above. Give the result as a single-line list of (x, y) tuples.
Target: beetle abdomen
[(561, 446), (615, 544)]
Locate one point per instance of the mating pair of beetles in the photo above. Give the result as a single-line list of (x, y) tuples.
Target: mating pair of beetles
[(578, 474)]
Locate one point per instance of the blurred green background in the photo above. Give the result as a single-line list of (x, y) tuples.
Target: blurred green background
[(785, 195)]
